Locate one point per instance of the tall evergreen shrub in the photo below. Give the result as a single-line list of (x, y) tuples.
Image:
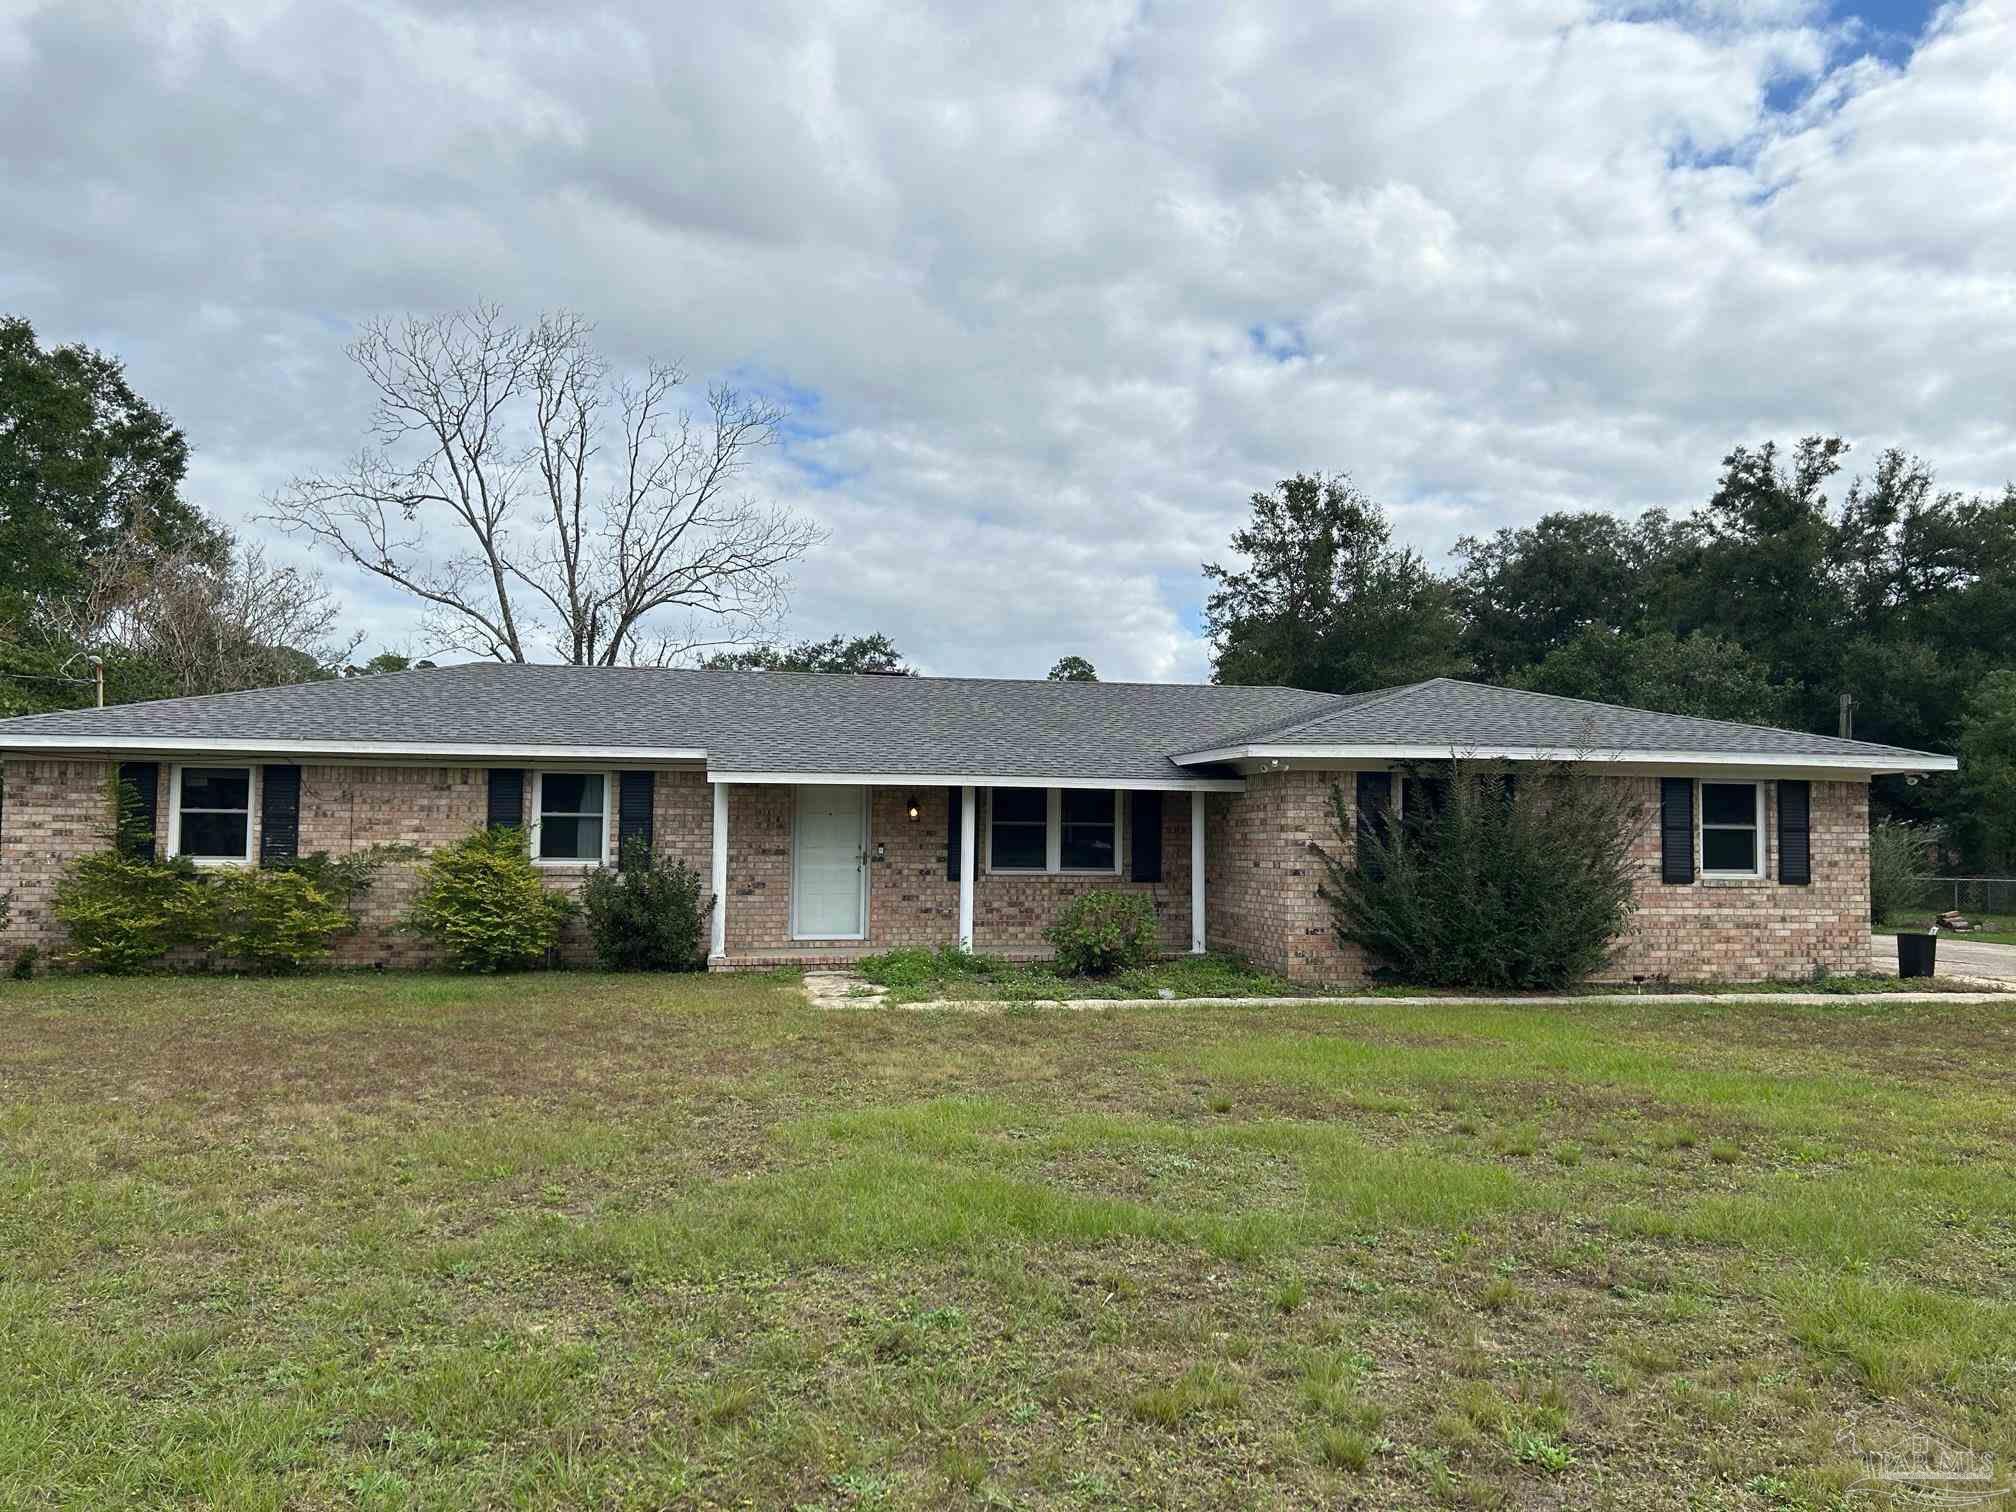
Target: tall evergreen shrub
[(1493, 880)]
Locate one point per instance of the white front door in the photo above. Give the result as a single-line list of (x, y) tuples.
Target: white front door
[(829, 870)]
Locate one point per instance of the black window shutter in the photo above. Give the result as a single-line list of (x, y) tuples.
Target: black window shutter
[(1375, 807), (279, 814), (507, 798), (953, 801), (139, 795), (1795, 833), (634, 792), (1147, 837), (1676, 829)]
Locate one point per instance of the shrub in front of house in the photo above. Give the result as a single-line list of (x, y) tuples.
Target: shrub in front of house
[(648, 916), (482, 903), (277, 921), (1491, 880), (124, 914), (1100, 933)]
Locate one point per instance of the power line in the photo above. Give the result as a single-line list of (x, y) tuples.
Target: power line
[(81, 682)]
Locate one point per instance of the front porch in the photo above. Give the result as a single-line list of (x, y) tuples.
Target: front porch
[(820, 873)]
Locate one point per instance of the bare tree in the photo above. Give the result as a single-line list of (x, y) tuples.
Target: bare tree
[(207, 621), (525, 493)]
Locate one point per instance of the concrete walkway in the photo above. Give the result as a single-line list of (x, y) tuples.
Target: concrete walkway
[(1958, 957), (839, 989)]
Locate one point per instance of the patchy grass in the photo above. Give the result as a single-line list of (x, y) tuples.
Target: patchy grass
[(928, 976), (918, 976), (633, 1241)]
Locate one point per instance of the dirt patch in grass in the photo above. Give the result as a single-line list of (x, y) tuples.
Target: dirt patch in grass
[(583, 1240)]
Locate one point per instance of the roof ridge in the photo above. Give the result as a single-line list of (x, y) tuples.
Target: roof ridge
[(1727, 724), (1364, 699), (910, 677)]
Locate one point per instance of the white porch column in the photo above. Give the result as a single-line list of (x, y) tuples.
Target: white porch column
[(718, 950), (966, 867), (1197, 874)]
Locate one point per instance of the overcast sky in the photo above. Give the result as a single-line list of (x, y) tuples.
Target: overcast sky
[(1052, 288)]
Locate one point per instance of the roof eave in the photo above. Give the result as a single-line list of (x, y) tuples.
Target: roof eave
[(1838, 761), (351, 750), (1173, 784)]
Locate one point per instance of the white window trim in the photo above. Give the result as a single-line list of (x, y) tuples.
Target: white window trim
[(1702, 826), (252, 783), (1053, 843), (538, 804)]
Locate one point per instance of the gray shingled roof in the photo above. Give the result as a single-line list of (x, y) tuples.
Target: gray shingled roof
[(744, 721), (1444, 713), (925, 726)]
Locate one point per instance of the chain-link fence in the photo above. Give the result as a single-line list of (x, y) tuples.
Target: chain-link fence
[(1976, 897)]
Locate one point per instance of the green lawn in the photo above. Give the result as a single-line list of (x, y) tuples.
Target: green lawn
[(592, 1241), (904, 977), (1998, 929)]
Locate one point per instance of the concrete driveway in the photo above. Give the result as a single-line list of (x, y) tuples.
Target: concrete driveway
[(1958, 956)]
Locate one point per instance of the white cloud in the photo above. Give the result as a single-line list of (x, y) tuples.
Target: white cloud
[(1069, 282)]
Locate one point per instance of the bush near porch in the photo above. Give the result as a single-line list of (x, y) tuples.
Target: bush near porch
[(442, 1241)]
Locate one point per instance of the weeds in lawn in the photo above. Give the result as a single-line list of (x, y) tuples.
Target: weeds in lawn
[(594, 1241)]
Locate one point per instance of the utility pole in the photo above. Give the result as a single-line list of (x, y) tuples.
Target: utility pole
[(1847, 716), (98, 675)]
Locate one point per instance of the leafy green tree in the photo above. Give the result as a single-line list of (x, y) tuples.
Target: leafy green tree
[(1703, 675), (861, 653), (1984, 818), (1073, 669), (1327, 602), (1525, 593), (85, 463), (384, 662), (1756, 566)]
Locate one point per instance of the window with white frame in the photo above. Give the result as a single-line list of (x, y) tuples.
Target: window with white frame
[(571, 820), (1053, 830), (213, 813), (1732, 829)]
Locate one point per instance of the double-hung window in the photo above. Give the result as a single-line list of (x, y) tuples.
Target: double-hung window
[(212, 817), (1088, 830), (1054, 830), (1018, 829), (572, 817), (1732, 829)]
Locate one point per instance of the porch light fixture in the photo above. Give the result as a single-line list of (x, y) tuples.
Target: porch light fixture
[(910, 807)]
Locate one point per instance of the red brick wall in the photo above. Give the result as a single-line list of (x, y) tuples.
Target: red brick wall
[(57, 810), (1261, 879), (54, 812), (1261, 875), (1751, 930), (911, 902)]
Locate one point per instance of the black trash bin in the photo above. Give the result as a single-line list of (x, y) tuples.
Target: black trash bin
[(1917, 954)]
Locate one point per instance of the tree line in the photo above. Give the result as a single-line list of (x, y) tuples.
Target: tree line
[(539, 501), (1766, 604)]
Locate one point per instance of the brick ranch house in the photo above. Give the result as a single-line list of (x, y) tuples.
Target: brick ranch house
[(838, 815)]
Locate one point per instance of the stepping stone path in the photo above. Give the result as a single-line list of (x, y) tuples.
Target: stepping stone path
[(842, 989)]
